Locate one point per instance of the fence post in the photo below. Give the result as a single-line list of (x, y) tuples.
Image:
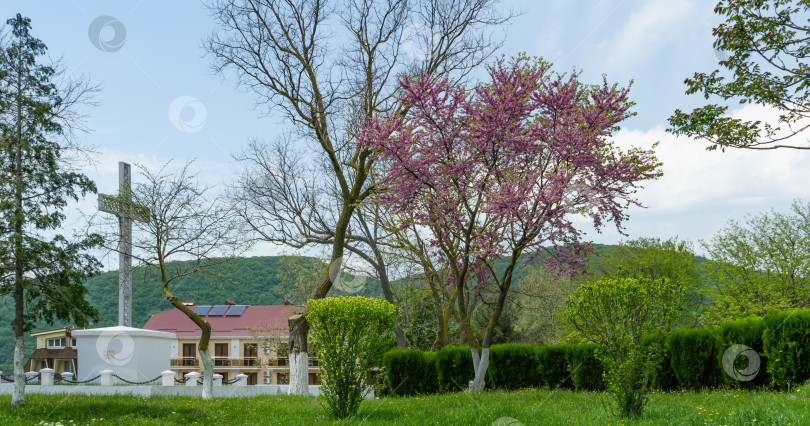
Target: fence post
[(107, 377), (67, 377), (192, 378), (46, 376), (168, 377), (30, 374), (241, 379), (217, 379)]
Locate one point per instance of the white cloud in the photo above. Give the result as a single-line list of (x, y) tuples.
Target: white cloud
[(702, 190), (694, 177)]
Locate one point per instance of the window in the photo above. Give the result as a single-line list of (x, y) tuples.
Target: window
[(251, 350), (188, 350), (253, 378), (57, 343), (43, 364), (282, 378), (189, 355), (313, 379), (72, 343), (67, 367), (221, 350)]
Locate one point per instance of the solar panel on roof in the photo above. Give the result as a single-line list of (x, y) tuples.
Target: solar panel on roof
[(202, 310), (236, 311), (217, 311)]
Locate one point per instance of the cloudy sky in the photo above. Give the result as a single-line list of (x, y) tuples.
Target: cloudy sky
[(160, 100)]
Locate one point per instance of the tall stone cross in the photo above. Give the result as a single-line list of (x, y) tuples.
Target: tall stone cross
[(122, 206)]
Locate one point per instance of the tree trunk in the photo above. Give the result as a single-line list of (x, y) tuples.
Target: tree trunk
[(480, 366), (18, 395), (299, 360), (208, 373), (205, 336), (389, 296)]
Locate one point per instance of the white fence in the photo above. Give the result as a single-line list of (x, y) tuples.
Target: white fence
[(108, 383)]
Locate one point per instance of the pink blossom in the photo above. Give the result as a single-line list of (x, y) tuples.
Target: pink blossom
[(499, 170)]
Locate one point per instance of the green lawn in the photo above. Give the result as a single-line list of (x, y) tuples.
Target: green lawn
[(530, 407)]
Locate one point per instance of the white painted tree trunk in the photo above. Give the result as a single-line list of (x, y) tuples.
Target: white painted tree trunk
[(480, 366), (299, 374), (475, 360), (18, 395), (208, 375)]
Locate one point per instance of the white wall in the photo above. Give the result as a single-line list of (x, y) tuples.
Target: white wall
[(134, 354)]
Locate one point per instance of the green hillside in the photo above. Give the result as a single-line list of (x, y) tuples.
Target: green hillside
[(249, 281)]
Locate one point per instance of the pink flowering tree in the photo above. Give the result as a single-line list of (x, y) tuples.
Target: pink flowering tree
[(501, 170)]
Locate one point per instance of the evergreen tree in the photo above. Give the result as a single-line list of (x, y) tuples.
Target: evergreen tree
[(41, 269)]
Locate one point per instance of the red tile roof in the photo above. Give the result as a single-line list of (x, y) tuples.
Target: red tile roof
[(272, 319)]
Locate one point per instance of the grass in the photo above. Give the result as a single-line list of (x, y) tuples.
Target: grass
[(728, 407)]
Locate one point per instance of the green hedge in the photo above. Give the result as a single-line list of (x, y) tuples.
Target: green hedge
[(693, 358), (552, 366), (746, 332), (664, 378), (454, 368), (786, 343), (410, 372), (512, 366), (585, 369)]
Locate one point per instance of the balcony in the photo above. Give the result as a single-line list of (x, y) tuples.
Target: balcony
[(185, 362), (218, 362), (278, 362), (285, 362)]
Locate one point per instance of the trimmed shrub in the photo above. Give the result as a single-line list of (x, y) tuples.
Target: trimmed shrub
[(786, 342), (512, 366), (410, 372), (617, 314), (693, 359), (552, 367), (454, 368), (350, 334), (746, 332), (585, 369)]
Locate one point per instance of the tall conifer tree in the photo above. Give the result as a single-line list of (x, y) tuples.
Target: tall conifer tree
[(41, 269)]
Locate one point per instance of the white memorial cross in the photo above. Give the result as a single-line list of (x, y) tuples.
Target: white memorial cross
[(122, 206)]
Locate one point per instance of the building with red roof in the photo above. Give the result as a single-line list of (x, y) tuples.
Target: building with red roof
[(245, 339)]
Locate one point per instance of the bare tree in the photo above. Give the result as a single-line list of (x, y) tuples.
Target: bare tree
[(330, 65), (185, 233)]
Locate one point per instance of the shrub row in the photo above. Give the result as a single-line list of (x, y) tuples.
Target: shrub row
[(512, 366), (786, 343), (693, 359)]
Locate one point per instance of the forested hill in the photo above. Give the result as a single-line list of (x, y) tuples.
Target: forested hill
[(249, 281)]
